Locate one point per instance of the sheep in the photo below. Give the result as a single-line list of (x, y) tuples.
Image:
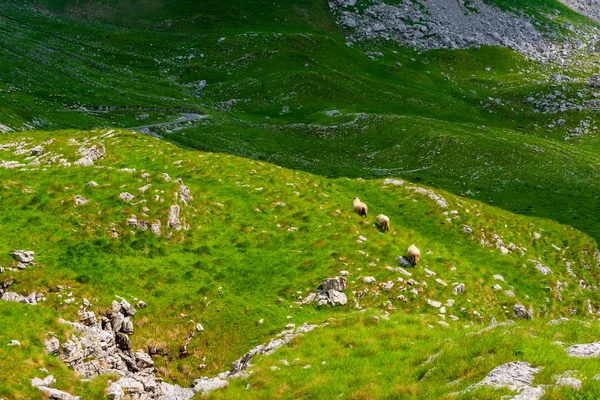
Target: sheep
[(413, 255), (359, 207), (384, 222)]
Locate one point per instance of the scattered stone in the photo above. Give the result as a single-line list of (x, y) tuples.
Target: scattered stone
[(369, 279), (22, 256), (337, 283), (115, 392), (433, 303), (52, 345), (47, 381), (55, 394), (513, 375), (79, 201), (569, 382), (458, 288), (519, 311), (15, 343), (126, 197), (173, 221), (590, 350), (205, 385), (336, 297)]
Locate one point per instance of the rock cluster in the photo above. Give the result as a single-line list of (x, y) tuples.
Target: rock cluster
[(331, 292), (445, 24), (102, 345), (89, 155)]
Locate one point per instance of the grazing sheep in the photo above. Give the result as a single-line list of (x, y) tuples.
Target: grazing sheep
[(359, 207), (413, 255), (384, 222)]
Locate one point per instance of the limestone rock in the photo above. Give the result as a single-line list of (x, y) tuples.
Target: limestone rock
[(52, 345), (126, 197), (115, 392), (22, 256), (55, 394), (521, 312), (47, 381), (590, 350), (173, 221), (338, 283), (205, 385), (336, 297)]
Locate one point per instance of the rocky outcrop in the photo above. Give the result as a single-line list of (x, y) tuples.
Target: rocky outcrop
[(22, 256), (590, 350), (517, 376), (239, 366), (173, 221), (89, 155), (449, 24), (589, 8)]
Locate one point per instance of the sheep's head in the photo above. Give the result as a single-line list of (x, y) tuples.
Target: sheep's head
[(356, 199)]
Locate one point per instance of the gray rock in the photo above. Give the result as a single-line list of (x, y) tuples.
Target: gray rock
[(79, 201), (16, 298), (174, 392), (115, 392), (336, 297), (47, 381), (55, 394), (590, 350), (513, 375), (173, 221), (22, 256), (530, 393), (15, 343), (369, 279), (127, 309), (185, 196), (519, 311), (126, 197), (92, 184), (143, 360), (569, 382), (131, 386), (89, 155), (52, 346), (338, 283), (459, 288), (205, 385)]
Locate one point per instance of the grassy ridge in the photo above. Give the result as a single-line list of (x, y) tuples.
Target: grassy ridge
[(257, 233)]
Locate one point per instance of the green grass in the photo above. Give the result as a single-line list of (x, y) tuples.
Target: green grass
[(360, 358), (240, 255)]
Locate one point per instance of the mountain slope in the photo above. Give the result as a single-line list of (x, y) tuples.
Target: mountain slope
[(285, 71), (251, 240)]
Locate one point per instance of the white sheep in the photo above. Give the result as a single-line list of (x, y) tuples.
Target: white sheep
[(359, 207), (384, 222), (413, 255)]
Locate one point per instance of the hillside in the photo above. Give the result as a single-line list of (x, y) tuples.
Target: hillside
[(250, 241), (362, 108), (177, 182)]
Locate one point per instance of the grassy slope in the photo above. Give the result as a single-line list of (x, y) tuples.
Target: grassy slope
[(415, 122), (366, 359), (240, 255)]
